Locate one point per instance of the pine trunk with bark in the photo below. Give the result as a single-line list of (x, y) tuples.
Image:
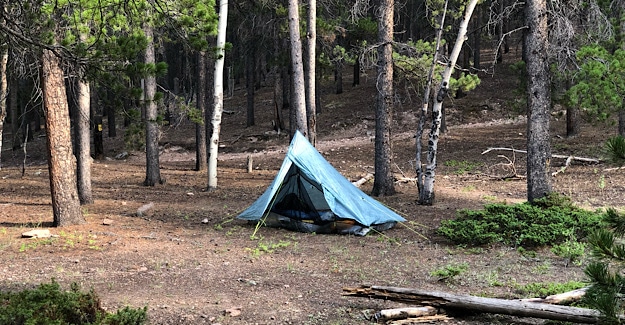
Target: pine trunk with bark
[(572, 122), (384, 183), (311, 95), (83, 143), (201, 159), (299, 90), (538, 101), (61, 161), (153, 172), (4, 59), (250, 67)]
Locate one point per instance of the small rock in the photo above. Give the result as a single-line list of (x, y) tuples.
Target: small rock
[(190, 194), (234, 311), (37, 233), (122, 155), (107, 222), (205, 220)]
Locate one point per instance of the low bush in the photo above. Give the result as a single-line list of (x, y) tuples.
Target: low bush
[(615, 149), (548, 221), (49, 304)]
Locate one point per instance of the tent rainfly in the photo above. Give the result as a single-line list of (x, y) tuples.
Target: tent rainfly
[(309, 195)]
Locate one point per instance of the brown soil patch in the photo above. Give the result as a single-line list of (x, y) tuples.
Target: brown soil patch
[(189, 272)]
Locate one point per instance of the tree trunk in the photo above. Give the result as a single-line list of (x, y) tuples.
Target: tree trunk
[(426, 102), (299, 93), (61, 161), (356, 73), (278, 123), (478, 304), (250, 61), (110, 118), (218, 94), (14, 108), (83, 142), (572, 122), (153, 173), (338, 76), (201, 159), (621, 122), (538, 101), (311, 37), (426, 197), (477, 40), (4, 59), (383, 183)]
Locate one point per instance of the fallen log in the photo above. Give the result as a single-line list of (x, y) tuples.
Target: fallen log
[(363, 180), (478, 304)]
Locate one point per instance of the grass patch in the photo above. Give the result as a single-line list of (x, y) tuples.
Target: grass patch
[(544, 289), (461, 167)]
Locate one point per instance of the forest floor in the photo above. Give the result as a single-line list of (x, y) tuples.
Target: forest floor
[(191, 262)]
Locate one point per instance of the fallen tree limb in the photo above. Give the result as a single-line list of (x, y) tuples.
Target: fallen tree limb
[(563, 168), (479, 304), (363, 180), (422, 319), (403, 313), (561, 298), (584, 159)]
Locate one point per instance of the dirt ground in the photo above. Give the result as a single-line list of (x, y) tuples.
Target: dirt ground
[(191, 262)]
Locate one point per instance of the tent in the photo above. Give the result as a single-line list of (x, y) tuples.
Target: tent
[(309, 195)]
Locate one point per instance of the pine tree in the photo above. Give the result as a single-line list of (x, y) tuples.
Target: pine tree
[(606, 272)]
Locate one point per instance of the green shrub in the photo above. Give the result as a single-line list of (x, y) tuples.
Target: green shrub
[(548, 221), (615, 149), (48, 304)]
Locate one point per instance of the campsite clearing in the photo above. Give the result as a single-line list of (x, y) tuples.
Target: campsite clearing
[(191, 262)]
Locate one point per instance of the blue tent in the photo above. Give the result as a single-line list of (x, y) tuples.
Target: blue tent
[(309, 195)]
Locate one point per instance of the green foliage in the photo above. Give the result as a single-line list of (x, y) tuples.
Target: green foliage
[(548, 221), (450, 271), (412, 65), (48, 304), (599, 85), (606, 271), (544, 289), (615, 149)]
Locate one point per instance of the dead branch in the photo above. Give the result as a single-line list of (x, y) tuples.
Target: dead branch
[(419, 320), (583, 159), (478, 304), (561, 298), (563, 168), (363, 180), (403, 313)]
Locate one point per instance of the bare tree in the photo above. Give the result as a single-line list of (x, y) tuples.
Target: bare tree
[(538, 100), (426, 195)]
